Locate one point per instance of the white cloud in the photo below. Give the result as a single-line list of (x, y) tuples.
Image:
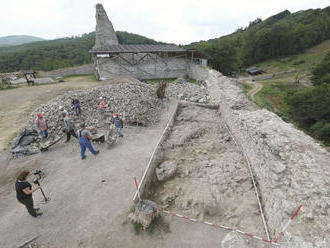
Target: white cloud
[(171, 20)]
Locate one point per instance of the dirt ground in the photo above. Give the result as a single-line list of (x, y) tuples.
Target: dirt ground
[(208, 159), (17, 104), (90, 199)]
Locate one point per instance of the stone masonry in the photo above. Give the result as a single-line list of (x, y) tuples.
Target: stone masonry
[(140, 61), (290, 167), (104, 33)]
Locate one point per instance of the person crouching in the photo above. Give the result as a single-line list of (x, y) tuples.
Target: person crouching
[(84, 137)]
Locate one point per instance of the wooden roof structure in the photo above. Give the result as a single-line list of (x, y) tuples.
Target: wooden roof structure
[(113, 49), (118, 49)]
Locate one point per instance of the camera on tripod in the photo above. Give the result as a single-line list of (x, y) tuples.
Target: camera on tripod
[(36, 181), (40, 175)]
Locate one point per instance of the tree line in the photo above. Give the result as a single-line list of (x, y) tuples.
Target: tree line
[(278, 36), (310, 107), (59, 53)]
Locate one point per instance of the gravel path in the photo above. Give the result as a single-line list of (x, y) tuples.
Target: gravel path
[(256, 88)]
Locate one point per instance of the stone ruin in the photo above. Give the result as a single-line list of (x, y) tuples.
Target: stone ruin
[(105, 34), (140, 61)]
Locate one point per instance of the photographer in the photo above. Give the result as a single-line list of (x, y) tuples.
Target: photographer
[(24, 193)]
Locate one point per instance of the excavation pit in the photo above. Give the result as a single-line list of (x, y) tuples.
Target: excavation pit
[(205, 175)]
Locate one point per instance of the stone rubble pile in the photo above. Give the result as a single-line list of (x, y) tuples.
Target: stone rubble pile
[(184, 90), (137, 102)]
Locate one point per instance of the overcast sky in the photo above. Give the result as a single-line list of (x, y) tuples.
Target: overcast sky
[(174, 21)]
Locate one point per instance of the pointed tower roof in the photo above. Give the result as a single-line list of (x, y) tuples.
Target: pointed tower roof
[(105, 35)]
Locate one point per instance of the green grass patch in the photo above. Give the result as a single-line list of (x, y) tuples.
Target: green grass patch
[(272, 97), (246, 87), (4, 86), (303, 62), (191, 80)]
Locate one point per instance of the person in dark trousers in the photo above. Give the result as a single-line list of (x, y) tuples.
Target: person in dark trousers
[(76, 105), (24, 193), (84, 141), (118, 122), (68, 127)]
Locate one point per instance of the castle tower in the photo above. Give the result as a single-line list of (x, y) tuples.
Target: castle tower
[(105, 35)]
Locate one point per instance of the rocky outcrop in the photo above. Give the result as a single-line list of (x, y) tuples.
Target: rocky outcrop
[(165, 170), (105, 35)]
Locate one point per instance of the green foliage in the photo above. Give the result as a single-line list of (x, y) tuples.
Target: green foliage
[(60, 53), (224, 53), (4, 86), (134, 39), (321, 73), (278, 36), (310, 108)]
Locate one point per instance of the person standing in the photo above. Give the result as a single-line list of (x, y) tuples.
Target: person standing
[(68, 127), (76, 106), (41, 125), (24, 193), (102, 105), (118, 122), (84, 138)]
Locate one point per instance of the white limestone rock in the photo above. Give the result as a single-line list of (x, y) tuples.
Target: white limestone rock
[(166, 170)]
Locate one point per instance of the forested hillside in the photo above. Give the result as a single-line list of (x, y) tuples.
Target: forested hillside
[(14, 40), (280, 35), (310, 107), (59, 53)]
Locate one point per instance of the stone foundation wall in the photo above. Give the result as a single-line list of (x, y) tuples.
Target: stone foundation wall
[(156, 158), (289, 166), (148, 69)]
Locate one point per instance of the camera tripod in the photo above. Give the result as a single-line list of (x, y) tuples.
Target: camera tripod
[(36, 181)]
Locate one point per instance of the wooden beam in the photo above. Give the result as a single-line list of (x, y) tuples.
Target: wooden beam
[(127, 61)]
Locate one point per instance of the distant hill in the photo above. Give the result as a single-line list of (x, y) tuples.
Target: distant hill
[(54, 54), (14, 40), (278, 36)]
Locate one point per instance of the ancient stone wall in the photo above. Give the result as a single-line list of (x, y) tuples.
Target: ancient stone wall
[(149, 174), (290, 167), (157, 68)]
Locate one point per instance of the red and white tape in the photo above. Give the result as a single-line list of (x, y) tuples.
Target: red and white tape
[(220, 226), (274, 243), (287, 224)]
